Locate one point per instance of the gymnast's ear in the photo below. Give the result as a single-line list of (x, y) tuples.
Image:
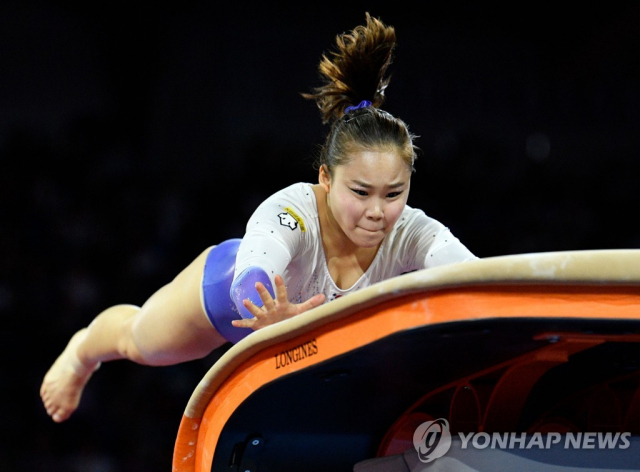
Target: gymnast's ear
[(324, 177)]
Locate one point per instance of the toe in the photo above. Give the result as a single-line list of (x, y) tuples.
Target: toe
[(60, 415)]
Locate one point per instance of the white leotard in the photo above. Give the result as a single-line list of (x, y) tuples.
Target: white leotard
[(283, 237)]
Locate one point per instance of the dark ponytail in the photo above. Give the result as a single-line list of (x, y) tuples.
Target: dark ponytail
[(354, 76)]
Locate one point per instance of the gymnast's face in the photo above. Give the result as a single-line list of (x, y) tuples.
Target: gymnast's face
[(366, 196)]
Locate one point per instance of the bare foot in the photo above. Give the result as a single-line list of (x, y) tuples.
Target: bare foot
[(63, 385)]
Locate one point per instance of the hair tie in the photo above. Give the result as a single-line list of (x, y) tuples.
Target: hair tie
[(362, 104)]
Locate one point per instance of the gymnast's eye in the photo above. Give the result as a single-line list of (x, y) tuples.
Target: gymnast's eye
[(362, 193)]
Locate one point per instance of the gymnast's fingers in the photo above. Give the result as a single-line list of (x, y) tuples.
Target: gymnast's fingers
[(265, 296), (313, 302), (281, 290), (244, 323), (255, 310)]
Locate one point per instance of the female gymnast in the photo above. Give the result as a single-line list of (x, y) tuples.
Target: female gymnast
[(304, 246)]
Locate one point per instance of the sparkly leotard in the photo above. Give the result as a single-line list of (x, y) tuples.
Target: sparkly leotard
[(283, 237)]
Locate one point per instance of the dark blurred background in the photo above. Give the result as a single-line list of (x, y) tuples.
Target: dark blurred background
[(133, 136)]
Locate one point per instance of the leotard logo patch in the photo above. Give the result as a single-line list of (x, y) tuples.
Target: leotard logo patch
[(291, 219)]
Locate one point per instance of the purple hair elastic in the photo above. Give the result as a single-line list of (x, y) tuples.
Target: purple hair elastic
[(362, 104)]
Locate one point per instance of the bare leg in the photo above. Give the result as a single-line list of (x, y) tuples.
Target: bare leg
[(171, 327)]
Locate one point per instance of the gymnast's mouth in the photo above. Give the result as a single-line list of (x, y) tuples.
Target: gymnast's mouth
[(371, 230)]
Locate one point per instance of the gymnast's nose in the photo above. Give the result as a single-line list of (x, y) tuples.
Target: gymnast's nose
[(375, 210)]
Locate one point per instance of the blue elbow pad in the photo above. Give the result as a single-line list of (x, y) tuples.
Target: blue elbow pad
[(244, 286), (216, 282)]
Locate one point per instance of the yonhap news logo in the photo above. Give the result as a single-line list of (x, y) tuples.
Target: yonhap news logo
[(432, 440)]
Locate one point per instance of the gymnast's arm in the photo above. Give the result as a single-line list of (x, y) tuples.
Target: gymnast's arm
[(428, 243), (266, 250)]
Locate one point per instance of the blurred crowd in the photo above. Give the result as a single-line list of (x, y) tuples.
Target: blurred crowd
[(537, 155)]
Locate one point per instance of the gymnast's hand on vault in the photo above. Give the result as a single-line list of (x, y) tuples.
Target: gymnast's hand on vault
[(276, 310)]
